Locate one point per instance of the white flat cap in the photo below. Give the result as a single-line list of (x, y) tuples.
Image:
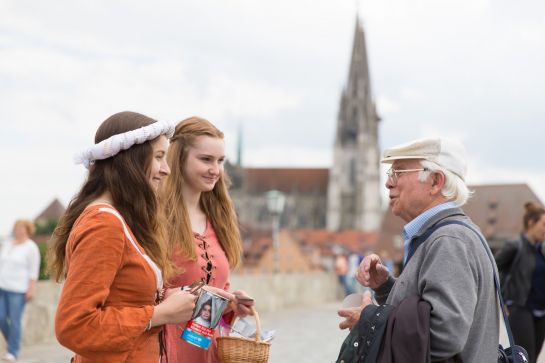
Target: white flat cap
[(447, 153)]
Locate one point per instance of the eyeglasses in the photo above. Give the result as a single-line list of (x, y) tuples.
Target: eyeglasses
[(393, 174)]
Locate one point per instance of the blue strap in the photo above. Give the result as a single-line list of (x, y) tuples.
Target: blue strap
[(432, 229), (418, 240)]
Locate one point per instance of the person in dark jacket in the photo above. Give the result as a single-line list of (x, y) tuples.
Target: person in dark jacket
[(522, 262)]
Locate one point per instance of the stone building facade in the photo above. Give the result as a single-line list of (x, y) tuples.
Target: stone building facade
[(305, 190), (354, 199)]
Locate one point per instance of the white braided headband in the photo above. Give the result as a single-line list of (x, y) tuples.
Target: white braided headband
[(116, 143)]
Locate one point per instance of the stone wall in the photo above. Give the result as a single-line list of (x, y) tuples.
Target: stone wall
[(272, 292), (275, 292)]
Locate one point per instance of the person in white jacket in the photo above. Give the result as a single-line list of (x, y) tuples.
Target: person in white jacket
[(19, 271)]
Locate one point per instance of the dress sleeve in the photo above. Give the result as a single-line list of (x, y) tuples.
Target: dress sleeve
[(84, 323)]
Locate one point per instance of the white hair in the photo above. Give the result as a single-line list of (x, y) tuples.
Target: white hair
[(455, 189)]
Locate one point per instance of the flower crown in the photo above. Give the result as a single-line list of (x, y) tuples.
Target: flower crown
[(116, 143)]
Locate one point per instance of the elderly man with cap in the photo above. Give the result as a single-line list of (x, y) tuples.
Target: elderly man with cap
[(448, 266)]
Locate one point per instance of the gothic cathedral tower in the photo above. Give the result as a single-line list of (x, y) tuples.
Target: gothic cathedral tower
[(354, 198)]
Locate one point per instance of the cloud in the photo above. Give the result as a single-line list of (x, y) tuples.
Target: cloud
[(387, 106), (532, 33), (480, 173), (246, 98), (469, 68)]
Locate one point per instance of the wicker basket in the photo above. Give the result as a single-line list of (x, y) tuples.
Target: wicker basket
[(244, 350)]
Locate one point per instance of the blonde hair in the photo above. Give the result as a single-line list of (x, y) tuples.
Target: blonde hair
[(27, 224), (216, 204)]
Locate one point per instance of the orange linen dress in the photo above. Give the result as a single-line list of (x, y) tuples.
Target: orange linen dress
[(178, 350), (109, 294)]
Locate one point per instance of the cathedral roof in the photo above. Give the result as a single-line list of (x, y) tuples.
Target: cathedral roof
[(498, 209), (288, 180), (53, 211)]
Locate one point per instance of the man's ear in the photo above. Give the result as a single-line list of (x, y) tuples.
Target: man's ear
[(437, 182)]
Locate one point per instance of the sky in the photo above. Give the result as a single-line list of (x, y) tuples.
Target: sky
[(465, 69)]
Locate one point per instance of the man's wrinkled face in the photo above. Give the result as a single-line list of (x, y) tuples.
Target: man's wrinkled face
[(408, 195)]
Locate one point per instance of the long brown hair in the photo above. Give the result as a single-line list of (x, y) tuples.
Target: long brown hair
[(125, 177), (216, 204)]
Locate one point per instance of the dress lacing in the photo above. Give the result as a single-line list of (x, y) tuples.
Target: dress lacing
[(209, 267)]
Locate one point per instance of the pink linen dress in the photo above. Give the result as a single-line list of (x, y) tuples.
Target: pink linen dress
[(178, 350)]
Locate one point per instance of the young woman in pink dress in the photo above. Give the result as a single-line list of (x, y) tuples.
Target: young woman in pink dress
[(203, 227)]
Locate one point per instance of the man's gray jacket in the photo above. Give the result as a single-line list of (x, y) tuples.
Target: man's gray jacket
[(452, 271)]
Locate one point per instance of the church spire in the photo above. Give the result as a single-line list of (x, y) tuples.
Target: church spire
[(354, 190), (358, 11), (358, 75)]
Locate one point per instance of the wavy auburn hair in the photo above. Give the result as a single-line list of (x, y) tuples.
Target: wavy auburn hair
[(125, 177), (216, 204)]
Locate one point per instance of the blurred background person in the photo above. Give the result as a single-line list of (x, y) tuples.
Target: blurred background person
[(354, 260), (19, 271), (341, 270), (522, 265)]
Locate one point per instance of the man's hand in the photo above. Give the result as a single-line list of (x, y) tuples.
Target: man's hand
[(371, 272), (352, 315)]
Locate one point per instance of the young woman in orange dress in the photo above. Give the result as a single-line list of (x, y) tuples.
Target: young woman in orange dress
[(111, 249), (203, 227)]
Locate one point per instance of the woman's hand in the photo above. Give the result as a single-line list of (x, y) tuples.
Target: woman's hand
[(239, 303), (177, 307), (220, 292), (242, 303), (29, 295)]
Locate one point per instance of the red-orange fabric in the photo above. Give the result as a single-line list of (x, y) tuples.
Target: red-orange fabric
[(178, 350), (108, 296)]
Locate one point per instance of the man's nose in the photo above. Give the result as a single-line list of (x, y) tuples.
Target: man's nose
[(389, 183)]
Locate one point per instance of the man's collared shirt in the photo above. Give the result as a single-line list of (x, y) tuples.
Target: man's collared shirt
[(411, 228)]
